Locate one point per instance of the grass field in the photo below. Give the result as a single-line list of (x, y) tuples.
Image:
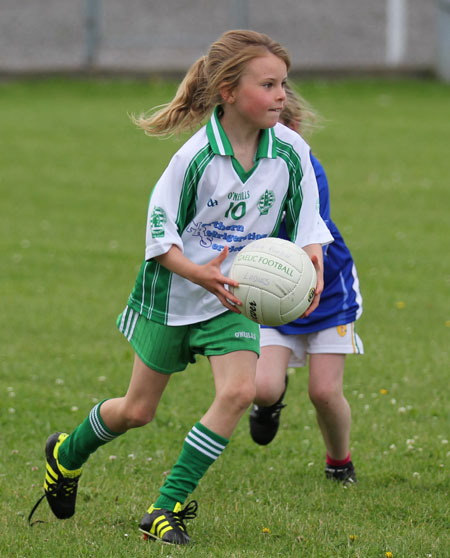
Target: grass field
[(75, 177)]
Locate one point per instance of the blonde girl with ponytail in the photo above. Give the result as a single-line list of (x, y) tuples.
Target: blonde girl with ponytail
[(229, 184)]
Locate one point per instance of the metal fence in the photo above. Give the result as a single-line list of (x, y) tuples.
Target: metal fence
[(167, 36)]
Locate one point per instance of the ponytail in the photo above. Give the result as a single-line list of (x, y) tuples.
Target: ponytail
[(187, 109)]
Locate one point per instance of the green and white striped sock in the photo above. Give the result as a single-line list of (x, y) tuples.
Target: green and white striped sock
[(85, 439), (200, 449)]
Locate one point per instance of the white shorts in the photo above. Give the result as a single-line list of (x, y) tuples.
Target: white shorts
[(335, 340)]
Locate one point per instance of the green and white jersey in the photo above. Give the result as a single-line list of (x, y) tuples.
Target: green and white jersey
[(205, 201)]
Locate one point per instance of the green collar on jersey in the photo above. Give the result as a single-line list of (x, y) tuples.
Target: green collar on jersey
[(221, 145)]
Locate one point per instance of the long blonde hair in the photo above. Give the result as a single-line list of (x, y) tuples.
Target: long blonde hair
[(298, 114), (198, 94)]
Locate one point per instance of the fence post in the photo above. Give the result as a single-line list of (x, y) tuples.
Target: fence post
[(443, 38), (396, 26), (93, 35)]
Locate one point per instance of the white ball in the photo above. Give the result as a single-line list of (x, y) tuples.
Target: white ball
[(277, 281)]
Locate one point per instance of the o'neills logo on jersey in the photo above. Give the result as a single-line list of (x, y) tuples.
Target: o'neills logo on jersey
[(239, 196), (266, 201), (158, 219)]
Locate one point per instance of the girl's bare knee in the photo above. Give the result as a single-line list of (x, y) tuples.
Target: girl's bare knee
[(268, 393), (324, 396), (239, 397), (320, 396), (137, 416)]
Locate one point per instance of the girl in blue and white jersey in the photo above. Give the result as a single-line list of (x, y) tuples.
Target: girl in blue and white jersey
[(326, 336)]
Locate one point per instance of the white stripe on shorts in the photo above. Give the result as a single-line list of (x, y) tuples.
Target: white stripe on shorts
[(122, 321), (133, 325), (128, 322)]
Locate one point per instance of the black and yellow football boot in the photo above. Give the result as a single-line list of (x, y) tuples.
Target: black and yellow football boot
[(60, 484), (168, 526)]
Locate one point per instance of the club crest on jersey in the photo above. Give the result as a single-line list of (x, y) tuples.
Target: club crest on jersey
[(266, 201), (158, 219)]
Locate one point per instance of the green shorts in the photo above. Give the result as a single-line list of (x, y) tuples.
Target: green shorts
[(169, 349)]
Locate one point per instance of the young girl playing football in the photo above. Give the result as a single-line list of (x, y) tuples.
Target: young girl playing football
[(229, 184), (326, 335)]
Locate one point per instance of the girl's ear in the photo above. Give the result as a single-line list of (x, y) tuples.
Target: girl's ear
[(227, 94)]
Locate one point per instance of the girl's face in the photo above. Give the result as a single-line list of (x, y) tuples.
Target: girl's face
[(260, 95)]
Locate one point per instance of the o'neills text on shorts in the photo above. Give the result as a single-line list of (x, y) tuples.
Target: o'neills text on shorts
[(246, 334)]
